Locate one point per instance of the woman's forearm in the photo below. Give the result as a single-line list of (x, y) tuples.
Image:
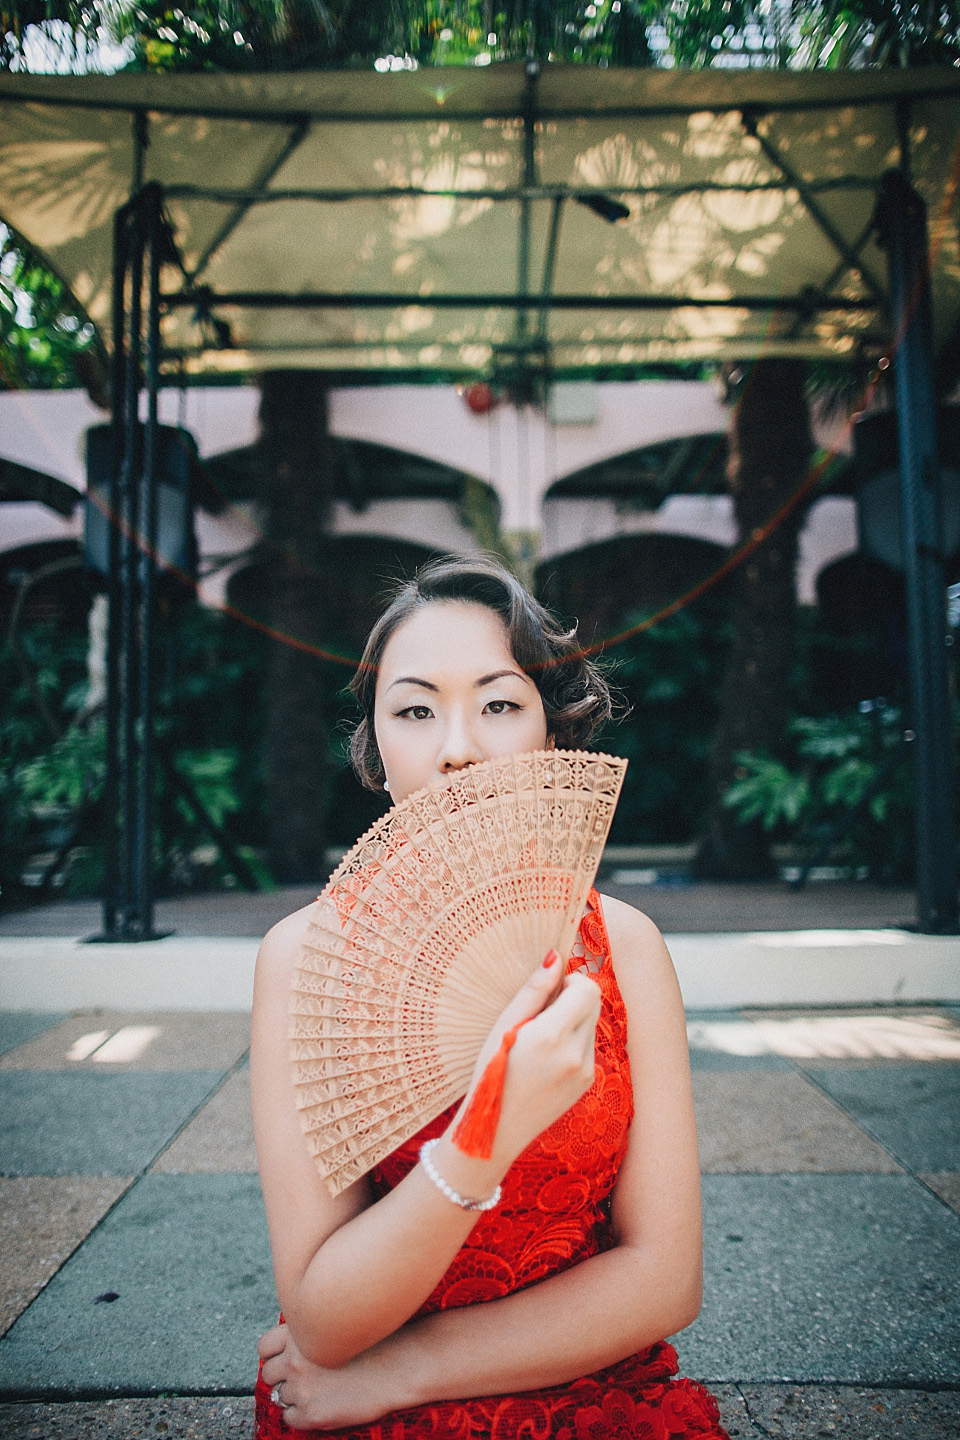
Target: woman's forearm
[(357, 1280), (373, 1273), (590, 1316)]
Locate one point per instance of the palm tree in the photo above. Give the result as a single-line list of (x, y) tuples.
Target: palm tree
[(768, 459), (295, 465)]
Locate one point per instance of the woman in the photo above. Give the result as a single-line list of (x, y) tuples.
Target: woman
[(526, 1294)]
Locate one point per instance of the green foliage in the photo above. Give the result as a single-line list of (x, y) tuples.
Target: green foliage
[(209, 727), (55, 660), (293, 34), (803, 34), (213, 777), (44, 343), (669, 676), (298, 34), (66, 775), (835, 764)]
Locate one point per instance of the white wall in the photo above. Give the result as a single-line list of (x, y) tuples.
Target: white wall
[(520, 453)]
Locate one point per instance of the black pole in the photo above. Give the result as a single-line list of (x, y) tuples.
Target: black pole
[(111, 897), (128, 790), (902, 230), (146, 570), (129, 578)]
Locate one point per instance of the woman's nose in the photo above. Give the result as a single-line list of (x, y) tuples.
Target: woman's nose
[(459, 748)]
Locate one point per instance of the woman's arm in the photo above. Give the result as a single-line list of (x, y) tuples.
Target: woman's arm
[(592, 1315), (349, 1273)]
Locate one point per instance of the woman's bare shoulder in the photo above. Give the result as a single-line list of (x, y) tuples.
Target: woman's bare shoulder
[(640, 957), (631, 932), (281, 944)]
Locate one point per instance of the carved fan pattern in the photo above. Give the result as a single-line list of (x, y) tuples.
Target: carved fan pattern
[(428, 927)]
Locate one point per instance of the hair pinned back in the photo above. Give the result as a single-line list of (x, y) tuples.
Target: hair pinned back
[(576, 697)]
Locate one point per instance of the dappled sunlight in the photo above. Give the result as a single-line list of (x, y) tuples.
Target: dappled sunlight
[(832, 1037), (710, 135), (84, 1046), (123, 1046), (826, 939), (63, 188), (281, 193)]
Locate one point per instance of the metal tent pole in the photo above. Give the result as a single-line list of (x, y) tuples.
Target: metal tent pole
[(146, 553), (111, 890), (129, 578), (128, 893), (901, 226)]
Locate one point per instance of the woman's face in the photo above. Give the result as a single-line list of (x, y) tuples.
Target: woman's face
[(450, 694)]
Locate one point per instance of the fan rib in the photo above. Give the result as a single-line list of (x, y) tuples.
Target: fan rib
[(425, 931)]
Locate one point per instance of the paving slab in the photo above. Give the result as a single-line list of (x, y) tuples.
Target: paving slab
[(827, 1278), (786, 967), (57, 1123), (849, 1036), (207, 913), (187, 1258), (219, 1139), (43, 1218), (815, 967), (851, 1413), (734, 1415), (191, 1418), (19, 1026), (701, 1059), (946, 1186), (101, 1040), (769, 1123), (177, 973), (724, 1040), (914, 1110), (794, 1412)]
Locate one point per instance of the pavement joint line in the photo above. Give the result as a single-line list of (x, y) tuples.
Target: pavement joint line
[(750, 1415), (82, 1241), (61, 1395), (915, 1387), (811, 1080), (134, 1180), (898, 1159), (227, 1075)]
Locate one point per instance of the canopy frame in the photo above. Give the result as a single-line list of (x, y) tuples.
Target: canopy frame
[(145, 247)]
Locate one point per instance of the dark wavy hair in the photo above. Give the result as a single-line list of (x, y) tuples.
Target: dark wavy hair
[(576, 698)]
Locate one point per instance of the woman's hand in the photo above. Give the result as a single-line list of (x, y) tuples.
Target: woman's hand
[(549, 1067), (314, 1398), (552, 1061)]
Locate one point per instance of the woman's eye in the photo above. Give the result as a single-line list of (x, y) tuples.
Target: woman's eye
[(500, 707), (416, 712)]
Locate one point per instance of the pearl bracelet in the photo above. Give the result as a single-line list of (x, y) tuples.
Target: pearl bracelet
[(434, 1174)]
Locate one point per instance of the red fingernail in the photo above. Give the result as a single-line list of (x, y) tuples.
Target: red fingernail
[(552, 957)]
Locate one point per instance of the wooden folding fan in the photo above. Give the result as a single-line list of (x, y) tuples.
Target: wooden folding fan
[(428, 927)]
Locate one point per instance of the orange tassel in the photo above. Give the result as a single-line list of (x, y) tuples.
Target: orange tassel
[(477, 1127)]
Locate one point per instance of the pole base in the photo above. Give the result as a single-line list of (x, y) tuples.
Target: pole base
[(125, 937)]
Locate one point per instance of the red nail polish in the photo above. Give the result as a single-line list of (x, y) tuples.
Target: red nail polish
[(552, 957)]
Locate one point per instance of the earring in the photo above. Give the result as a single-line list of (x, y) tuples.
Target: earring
[(386, 787)]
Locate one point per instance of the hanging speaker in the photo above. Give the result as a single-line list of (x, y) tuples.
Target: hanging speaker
[(176, 548), (877, 466)]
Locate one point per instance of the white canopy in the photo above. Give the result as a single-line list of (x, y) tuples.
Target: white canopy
[(389, 222)]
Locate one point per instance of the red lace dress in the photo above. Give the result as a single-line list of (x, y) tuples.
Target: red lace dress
[(554, 1214)]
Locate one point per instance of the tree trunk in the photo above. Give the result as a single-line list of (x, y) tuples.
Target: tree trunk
[(770, 450), (295, 465)]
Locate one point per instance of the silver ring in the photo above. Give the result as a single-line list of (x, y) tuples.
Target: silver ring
[(275, 1396)]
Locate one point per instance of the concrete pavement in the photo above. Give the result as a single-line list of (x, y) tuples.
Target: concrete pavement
[(134, 1269), (135, 1275)]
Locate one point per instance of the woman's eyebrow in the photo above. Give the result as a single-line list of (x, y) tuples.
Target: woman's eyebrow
[(499, 675), (412, 680)]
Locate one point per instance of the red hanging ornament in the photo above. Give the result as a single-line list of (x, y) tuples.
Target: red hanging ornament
[(480, 397)]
